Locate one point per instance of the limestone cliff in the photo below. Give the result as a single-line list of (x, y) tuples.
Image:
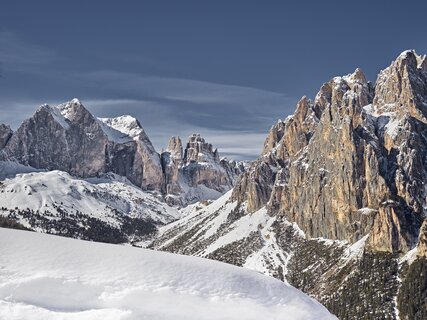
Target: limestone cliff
[(196, 172), (352, 162)]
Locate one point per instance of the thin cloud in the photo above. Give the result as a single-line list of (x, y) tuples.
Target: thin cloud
[(19, 55), (233, 118)]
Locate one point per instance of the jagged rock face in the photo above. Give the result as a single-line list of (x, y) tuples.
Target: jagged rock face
[(5, 134), (352, 162), (284, 141), (325, 185), (402, 86), (198, 165), (422, 243), (255, 185), (198, 150), (41, 142), (69, 138), (171, 163), (85, 139), (149, 160)]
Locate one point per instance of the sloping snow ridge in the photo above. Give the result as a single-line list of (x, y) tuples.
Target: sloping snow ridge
[(44, 277), (213, 231), (101, 198), (121, 129)]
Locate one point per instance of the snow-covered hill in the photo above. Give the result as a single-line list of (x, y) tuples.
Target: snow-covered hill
[(48, 277), (109, 209)]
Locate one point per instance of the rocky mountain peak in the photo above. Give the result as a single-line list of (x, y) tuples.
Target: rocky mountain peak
[(198, 150), (401, 88), (121, 128), (175, 148), (196, 172), (73, 110), (304, 106), (69, 138)]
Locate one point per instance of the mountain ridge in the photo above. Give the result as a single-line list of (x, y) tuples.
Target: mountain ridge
[(336, 202), (69, 138)]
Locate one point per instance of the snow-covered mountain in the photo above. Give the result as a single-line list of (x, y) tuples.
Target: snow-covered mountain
[(43, 277), (108, 208), (69, 138)]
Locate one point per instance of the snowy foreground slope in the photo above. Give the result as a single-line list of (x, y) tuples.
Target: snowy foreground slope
[(49, 277), (105, 209)]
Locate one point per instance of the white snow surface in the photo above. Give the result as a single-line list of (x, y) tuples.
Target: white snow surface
[(121, 129), (214, 216), (44, 277), (65, 109), (26, 188), (9, 169)]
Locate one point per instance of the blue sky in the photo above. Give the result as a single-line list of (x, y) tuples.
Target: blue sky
[(226, 69)]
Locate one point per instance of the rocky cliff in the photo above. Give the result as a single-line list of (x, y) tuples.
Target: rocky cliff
[(196, 171), (69, 138), (351, 162)]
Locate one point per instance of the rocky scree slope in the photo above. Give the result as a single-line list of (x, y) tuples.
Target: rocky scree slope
[(336, 202)]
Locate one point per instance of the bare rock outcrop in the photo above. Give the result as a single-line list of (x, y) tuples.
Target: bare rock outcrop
[(196, 172), (5, 134), (171, 163), (69, 138), (422, 242)]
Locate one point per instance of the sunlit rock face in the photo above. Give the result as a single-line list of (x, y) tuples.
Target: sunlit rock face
[(352, 162)]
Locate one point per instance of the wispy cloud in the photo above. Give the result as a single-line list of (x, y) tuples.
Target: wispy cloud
[(234, 118), (19, 55)]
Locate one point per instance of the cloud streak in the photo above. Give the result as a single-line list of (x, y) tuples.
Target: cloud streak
[(234, 118)]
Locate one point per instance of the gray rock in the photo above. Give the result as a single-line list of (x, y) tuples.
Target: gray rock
[(5, 134)]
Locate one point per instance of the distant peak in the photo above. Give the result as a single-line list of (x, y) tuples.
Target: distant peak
[(175, 147), (412, 59), (406, 53), (124, 126), (199, 150), (196, 137), (69, 108), (75, 101), (124, 120), (43, 106)]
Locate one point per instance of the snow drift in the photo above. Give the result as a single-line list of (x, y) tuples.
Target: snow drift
[(49, 277)]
